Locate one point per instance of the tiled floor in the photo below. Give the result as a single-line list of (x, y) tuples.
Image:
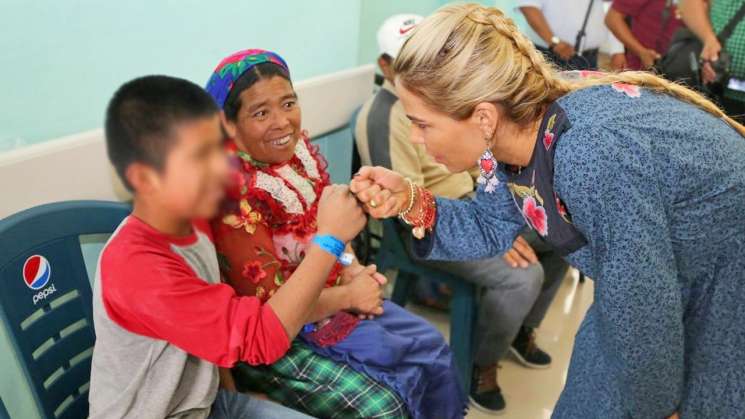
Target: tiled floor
[(531, 393)]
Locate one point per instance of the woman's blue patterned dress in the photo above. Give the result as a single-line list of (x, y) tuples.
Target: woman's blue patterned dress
[(657, 187)]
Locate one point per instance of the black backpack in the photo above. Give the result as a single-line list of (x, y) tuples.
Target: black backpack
[(681, 61)]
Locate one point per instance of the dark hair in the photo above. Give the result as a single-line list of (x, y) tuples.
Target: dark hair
[(246, 80), (387, 58), (141, 115)]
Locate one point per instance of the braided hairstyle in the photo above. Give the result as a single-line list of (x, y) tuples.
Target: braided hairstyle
[(466, 54)]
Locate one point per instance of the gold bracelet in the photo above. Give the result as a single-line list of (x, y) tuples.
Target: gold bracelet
[(412, 198)]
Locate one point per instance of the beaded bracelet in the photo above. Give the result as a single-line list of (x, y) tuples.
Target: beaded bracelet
[(412, 199), (427, 212)]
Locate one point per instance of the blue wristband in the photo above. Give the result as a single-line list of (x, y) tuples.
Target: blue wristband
[(330, 244)]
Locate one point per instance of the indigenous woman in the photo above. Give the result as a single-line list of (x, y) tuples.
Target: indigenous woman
[(261, 237), (638, 181)]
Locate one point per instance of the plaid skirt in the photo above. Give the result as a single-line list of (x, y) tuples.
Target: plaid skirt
[(318, 386)]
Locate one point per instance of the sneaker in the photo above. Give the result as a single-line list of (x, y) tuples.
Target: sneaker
[(485, 392), (527, 352)]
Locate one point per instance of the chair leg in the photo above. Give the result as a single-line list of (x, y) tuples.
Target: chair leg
[(403, 287), (462, 318)]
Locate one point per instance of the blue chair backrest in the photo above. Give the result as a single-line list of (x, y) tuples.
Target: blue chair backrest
[(46, 300), (3, 412)]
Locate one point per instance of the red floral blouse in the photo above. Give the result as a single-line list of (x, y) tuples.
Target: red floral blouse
[(268, 219)]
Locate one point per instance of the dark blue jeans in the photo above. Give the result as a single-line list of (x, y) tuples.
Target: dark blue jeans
[(232, 405)]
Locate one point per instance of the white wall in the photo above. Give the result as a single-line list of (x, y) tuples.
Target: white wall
[(76, 167)]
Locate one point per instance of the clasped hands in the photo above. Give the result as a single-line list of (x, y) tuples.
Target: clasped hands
[(385, 193)]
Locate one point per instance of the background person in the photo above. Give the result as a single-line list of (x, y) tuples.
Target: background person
[(653, 23), (706, 20), (556, 25)]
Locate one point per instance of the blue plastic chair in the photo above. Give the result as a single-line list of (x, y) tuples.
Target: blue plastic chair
[(463, 307), (3, 411), (46, 299)]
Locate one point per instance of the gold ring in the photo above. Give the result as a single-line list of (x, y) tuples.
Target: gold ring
[(373, 204)]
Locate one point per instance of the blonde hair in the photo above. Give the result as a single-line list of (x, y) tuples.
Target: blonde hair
[(465, 54)]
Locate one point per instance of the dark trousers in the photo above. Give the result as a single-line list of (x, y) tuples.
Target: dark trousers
[(587, 61)]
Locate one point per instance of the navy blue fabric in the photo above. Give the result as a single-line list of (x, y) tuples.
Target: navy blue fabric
[(657, 186), (409, 355), (534, 186)]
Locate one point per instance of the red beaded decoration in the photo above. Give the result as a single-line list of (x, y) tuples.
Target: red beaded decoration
[(426, 214)]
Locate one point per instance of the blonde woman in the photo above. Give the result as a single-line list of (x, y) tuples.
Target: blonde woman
[(639, 182)]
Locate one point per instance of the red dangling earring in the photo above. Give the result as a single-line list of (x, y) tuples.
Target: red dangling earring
[(488, 170)]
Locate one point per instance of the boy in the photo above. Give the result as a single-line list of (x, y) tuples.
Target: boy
[(163, 320)]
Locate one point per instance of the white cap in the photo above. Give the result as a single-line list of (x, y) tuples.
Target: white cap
[(394, 31)]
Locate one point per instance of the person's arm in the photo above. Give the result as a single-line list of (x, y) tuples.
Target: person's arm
[(615, 20), (695, 14), (537, 21), (468, 229), (206, 320), (638, 302), (465, 229), (615, 48), (295, 300)]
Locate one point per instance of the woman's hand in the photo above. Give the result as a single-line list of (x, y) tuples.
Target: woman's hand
[(365, 292), (521, 254), (339, 213), (384, 192)]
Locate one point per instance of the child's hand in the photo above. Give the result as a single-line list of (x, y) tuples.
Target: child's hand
[(366, 293), (339, 213)]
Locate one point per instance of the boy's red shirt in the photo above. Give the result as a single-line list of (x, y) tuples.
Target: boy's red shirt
[(149, 288)]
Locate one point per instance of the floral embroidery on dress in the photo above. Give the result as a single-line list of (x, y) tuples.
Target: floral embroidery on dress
[(535, 215), (561, 209), (290, 247), (588, 74), (253, 271), (548, 135), (532, 208), (247, 218), (630, 90)]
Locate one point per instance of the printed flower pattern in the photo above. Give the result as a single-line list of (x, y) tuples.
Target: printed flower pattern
[(561, 209), (548, 139), (253, 271), (629, 89), (585, 74), (548, 134), (246, 219), (535, 215)]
